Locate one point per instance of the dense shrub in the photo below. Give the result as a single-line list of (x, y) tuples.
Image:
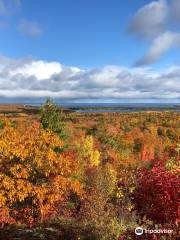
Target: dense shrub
[(156, 196)]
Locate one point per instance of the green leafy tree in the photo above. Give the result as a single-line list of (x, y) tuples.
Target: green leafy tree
[(52, 117)]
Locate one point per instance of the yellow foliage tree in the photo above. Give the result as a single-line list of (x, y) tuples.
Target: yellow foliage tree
[(89, 152)]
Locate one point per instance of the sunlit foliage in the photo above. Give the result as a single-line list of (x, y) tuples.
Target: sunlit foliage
[(89, 176)]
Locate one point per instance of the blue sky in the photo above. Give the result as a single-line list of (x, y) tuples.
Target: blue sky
[(84, 44), (82, 33)]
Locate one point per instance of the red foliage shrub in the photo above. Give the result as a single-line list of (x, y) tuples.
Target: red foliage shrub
[(157, 194)]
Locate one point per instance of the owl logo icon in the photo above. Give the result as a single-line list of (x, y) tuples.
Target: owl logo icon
[(139, 231)]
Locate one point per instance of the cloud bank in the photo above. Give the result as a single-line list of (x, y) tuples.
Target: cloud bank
[(30, 78), (156, 22)]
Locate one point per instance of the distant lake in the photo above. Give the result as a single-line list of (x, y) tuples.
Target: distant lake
[(118, 107)]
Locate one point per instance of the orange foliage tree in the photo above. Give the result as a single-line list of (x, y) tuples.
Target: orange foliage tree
[(35, 179)]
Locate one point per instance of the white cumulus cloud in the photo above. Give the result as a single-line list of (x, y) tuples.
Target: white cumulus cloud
[(31, 78), (160, 45), (150, 20), (39, 69), (156, 22)]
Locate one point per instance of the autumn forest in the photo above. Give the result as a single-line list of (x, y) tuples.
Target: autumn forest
[(89, 176)]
